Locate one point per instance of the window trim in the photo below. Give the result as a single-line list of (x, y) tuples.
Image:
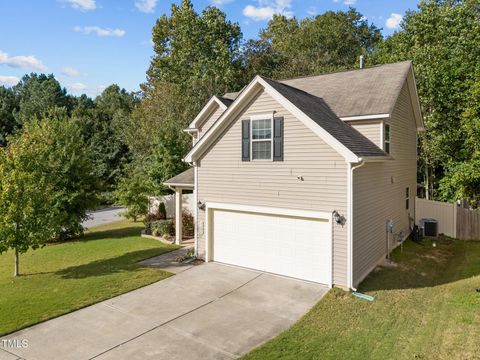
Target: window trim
[(257, 118), (389, 141)]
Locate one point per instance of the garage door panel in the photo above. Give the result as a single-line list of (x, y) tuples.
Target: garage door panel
[(290, 246)]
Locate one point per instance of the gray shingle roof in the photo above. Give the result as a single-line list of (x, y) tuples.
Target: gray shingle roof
[(358, 92), (318, 110), (225, 101), (186, 178), (230, 96)]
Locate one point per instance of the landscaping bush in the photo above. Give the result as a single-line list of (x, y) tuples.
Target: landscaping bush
[(163, 228), (188, 224), (160, 214), (162, 211)]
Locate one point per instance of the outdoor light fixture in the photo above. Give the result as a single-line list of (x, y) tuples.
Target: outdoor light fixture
[(201, 205), (339, 219)]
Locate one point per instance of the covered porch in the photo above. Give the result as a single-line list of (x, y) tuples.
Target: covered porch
[(184, 181)]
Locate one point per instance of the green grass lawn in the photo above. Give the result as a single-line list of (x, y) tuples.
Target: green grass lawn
[(60, 278), (426, 308)]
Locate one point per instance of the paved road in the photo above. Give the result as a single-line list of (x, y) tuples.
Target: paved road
[(104, 216), (210, 311)]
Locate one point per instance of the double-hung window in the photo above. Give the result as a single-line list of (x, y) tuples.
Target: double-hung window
[(261, 139)]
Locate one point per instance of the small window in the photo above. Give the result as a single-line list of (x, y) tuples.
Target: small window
[(407, 198), (386, 136), (262, 139)]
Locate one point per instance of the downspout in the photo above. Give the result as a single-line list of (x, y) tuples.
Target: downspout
[(350, 220), (195, 198)]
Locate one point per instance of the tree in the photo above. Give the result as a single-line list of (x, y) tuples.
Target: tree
[(103, 121), (462, 177), (76, 185), (259, 58), (8, 106), (311, 46), (38, 94), (28, 215), (196, 56), (198, 53), (442, 38), (133, 191), (156, 137)]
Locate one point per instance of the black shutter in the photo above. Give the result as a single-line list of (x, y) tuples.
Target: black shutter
[(278, 139), (245, 140)]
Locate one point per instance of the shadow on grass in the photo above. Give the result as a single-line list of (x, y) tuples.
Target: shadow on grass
[(123, 263), (422, 265)]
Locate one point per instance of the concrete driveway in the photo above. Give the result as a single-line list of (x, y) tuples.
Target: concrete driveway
[(210, 311)]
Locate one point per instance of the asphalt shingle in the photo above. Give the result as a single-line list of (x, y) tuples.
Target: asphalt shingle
[(319, 111)]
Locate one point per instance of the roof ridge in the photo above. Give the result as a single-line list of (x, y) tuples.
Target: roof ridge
[(344, 71), (291, 87)]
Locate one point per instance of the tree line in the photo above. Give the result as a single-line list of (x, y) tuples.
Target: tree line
[(122, 146)]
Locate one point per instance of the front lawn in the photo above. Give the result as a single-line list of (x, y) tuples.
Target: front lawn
[(426, 308), (60, 278)]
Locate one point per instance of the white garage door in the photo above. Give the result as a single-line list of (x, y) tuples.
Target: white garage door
[(285, 245)]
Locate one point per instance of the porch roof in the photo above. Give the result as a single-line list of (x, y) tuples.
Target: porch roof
[(184, 180)]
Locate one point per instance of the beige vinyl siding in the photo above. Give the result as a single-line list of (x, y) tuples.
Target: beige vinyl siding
[(371, 129), (379, 192), (211, 118), (224, 177)]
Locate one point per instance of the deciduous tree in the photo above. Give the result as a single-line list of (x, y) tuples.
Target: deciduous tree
[(28, 215)]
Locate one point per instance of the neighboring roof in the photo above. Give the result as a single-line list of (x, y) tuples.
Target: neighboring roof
[(231, 95), (208, 109), (367, 91), (317, 110), (227, 102), (186, 178)]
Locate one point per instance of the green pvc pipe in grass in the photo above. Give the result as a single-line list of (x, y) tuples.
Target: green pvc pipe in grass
[(363, 296)]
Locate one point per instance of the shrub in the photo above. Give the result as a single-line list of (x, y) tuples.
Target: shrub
[(162, 228), (162, 211), (160, 214), (132, 192), (188, 224)]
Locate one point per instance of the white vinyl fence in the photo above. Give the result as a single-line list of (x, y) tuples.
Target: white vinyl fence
[(444, 213), (169, 200)]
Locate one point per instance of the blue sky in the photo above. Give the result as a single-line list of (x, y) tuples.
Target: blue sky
[(90, 44)]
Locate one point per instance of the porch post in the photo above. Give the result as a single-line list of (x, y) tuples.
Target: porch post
[(178, 215)]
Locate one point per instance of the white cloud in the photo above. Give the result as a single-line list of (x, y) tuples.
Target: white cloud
[(83, 5), (77, 87), (99, 31), (22, 61), (393, 22), (68, 71), (8, 80), (346, 2), (267, 8), (221, 2), (146, 6)]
